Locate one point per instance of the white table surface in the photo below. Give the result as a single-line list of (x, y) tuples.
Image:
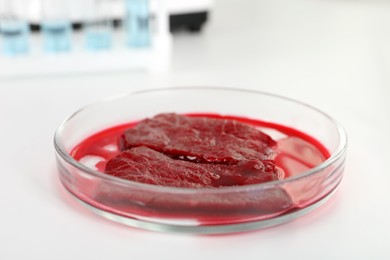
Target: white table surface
[(332, 54)]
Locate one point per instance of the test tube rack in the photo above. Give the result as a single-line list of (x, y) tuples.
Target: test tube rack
[(120, 57)]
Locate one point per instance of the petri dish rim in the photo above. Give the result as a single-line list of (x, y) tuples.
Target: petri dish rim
[(339, 151)]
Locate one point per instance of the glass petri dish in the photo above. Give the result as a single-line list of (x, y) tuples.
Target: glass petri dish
[(201, 210)]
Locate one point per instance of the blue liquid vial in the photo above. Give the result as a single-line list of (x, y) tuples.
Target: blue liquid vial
[(57, 36), (98, 39), (15, 37), (137, 23), (99, 25)]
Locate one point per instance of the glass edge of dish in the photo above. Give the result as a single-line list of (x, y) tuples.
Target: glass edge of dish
[(340, 150)]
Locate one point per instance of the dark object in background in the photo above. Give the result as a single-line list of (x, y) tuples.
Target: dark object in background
[(192, 22)]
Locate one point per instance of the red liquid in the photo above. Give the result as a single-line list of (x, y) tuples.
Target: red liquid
[(104, 144), (297, 152)]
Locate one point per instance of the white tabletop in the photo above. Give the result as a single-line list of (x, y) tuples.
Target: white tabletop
[(334, 55)]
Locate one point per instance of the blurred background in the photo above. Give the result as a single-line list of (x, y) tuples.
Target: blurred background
[(331, 54)]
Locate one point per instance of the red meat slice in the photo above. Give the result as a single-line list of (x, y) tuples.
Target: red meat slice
[(200, 139), (142, 164)]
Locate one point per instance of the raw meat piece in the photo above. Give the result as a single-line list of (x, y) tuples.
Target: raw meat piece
[(142, 164), (200, 139)]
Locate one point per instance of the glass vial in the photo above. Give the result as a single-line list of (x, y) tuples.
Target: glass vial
[(56, 26), (14, 29), (99, 25), (137, 23)]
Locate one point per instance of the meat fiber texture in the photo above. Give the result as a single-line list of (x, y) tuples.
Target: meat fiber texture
[(142, 164), (194, 152), (200, 139)]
